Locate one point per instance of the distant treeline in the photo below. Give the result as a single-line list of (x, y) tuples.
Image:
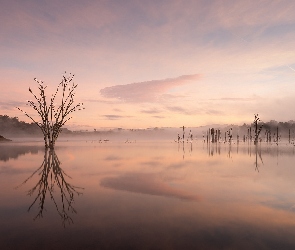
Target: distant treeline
[(12, 126)]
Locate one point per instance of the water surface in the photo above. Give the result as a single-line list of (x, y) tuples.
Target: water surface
[(147, 195)]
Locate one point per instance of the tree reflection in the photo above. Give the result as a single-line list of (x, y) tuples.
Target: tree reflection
[(257, 153), (52, 176)]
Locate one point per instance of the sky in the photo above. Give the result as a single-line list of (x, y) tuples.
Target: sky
[(156, 63)]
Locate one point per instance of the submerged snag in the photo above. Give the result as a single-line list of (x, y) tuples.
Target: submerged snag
[(257, 129), (54, 116)]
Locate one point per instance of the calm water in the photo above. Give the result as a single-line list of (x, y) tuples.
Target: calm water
[(91, 195)]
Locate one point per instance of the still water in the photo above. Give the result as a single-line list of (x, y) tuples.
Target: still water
[(147, 195)]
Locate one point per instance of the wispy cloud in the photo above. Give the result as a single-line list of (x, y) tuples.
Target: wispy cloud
[(11, 105), (110, 102), (214, 112), (159, 116), (115, 117), (146, 184), (233, 99), (151, 111), (153, 40), (148, 91), (255, 13), (117, 110), (178, 109)]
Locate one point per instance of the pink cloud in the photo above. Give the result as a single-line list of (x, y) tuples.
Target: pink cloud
[(10, 105), (148, 91), (68, 15), (115, 117), (151, 111), (234, 99), (178, 109), (254, 13)]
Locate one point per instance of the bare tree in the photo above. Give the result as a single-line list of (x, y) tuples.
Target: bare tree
[(53, 116)]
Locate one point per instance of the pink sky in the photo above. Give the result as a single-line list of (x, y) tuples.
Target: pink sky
[(159, 63)]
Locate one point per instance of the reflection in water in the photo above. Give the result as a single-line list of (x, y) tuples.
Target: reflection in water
[(190, 150), (51, 176), (146, 196), (8, 152), (150, 184), (246, 148), (257, 153), (273, 150)]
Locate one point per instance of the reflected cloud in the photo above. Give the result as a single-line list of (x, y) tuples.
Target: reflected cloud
[(13, 171), (53, 179), (113, 158), (177, 165), (146, 184), (282, 204), (151, 163)]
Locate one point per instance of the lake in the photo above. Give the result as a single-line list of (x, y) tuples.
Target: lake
[(147, 195)]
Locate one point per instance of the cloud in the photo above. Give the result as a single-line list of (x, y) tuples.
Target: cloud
[(54, 21), (151, 111), (255, 13), (159, 40), (101, 101), (159, 116), (117, 110), (214, 112), (178, 109), (146, 184), (10, 105), (234, 99), (154, 113), (148, 91), (115, 117)]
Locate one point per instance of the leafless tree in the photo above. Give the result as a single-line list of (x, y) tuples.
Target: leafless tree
[(54, 116)]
